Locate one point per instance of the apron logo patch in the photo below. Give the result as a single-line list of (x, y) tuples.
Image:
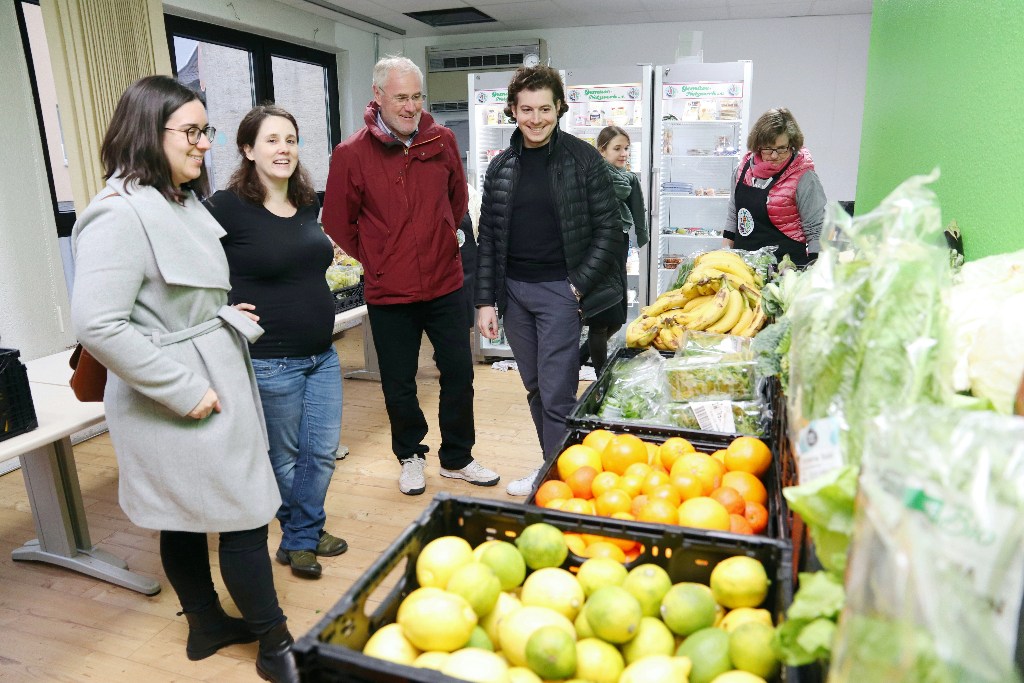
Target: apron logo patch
[(744, 222), (461, 236)]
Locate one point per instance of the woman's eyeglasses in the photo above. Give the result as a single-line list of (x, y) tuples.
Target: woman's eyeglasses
[(773, 151), (192, 133)]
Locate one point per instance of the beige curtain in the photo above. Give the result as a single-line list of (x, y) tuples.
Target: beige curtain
[(99, 48)]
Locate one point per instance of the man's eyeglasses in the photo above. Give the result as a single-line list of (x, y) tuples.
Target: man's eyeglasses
[(418, 98), (773, 151), (192, 133)]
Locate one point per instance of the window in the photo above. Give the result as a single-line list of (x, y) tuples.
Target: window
[(233, 70)]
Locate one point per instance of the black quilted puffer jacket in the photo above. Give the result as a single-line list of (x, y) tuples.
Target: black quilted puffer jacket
[(588, 215)]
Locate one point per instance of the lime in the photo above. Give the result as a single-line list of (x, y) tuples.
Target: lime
[(542, 545), (516, 628), (739, 581), (750, 648), (708, 650), (506, 603), (431, 660), (440, 558), (648, 583), (652, 638), (583, 629), (597, 661), (520, 674), (391, 644), (688, 607), (478, 666), (478, 585), (657, 669), (442, 621), (479, 551), (554, 588), (506, 562), (743, 615), (479, 639), (613, 614), (598, 572), (551, 653)]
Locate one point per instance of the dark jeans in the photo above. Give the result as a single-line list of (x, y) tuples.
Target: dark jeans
[(244, 566), (397, 332), (542, 324)]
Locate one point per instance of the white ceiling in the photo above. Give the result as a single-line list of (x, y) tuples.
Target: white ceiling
[(514, 15)]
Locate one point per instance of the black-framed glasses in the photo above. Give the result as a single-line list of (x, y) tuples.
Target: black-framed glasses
[(192, 133), (770, 151)]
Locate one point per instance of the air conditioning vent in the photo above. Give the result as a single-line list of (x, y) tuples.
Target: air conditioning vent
[(449, 107), (483, 58)]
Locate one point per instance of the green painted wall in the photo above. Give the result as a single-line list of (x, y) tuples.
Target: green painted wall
[(944, 88)]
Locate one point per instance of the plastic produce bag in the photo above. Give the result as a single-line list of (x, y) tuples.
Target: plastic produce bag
[(733, 417), (936, 570), (636, 390)]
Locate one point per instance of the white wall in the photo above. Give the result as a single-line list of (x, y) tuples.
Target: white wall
[(33, 297), (816, 66)]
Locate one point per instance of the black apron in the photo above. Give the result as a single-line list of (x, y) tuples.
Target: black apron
[(752, 217)]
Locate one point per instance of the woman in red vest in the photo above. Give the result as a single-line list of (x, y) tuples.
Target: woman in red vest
[(778, 200)]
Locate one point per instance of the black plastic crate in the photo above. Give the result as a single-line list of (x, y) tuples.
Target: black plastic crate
[(705, 442), (349, 297), (17, 412), (331, 651)]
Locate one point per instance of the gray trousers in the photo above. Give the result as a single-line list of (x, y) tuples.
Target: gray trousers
[(542, 325)]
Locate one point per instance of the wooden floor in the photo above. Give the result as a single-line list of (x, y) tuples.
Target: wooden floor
[(58, 625)]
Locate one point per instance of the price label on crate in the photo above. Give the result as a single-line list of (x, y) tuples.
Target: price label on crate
[(714, 416), (817, 449)]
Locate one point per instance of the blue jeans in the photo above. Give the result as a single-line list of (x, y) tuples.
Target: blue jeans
[(302, 405)]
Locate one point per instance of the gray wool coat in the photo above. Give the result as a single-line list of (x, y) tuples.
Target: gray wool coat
[(147, 271)]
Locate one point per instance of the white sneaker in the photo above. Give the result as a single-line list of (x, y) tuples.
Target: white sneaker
[(341, 453), (474, 473), (412, 481), (523, 486)]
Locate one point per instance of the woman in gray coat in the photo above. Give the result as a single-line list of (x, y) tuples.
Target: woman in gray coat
[(181, 402)]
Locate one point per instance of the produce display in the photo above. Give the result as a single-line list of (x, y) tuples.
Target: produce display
[(747, 416), (510, 613), (711, 378), (721, 294)]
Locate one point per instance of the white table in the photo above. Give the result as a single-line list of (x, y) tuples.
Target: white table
[(370, 370), (48, 465)]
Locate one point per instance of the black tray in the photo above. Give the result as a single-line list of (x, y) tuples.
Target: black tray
[(349, 297), (17, 411)]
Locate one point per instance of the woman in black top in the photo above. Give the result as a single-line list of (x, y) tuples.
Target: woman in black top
[(278, 254)]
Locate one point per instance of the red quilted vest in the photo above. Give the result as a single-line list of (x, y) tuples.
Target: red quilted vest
[(782, 208)]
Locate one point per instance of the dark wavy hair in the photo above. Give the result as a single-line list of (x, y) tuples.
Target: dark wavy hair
[(535, 78), (133, 144), (609, 133), (245, 181), (771, 125)]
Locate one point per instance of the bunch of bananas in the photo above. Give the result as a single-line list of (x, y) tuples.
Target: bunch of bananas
[(721, 294)]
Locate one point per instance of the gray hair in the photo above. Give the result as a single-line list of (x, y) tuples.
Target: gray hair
[(383, 69)]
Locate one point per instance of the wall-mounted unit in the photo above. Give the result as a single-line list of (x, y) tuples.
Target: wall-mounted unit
[(447, 64)]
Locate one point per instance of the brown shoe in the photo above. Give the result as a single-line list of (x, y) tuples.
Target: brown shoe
[(303, 562), (330, 546)]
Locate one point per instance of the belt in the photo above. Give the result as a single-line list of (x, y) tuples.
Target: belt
[(226, 315)]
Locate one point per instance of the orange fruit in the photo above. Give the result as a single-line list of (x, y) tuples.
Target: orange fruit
[(730, 499), (622, 451), (757, 516), (748, 454), (749, 486), (652, 453), (666, 492), (719, 456), (604, 481), (625, 544), (580, 482), (653, 481), (670, 451), (576, 543), (550, 490), (640, 469), (556, 503), (659, 512), (631, 484), (704, 513), (605, 549), (598, 439), (575, 457), (579, 506), (610, 502), (638, 503), (687, 484), (708, 470), (623, 515), (738, 524), (634, 553)]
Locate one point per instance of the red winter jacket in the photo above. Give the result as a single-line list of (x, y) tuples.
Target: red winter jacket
[(396, 209), (782, 208)]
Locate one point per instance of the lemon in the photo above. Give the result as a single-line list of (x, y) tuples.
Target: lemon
[(520, 674), (478, 585), (479, 551), (542, 545), (739, 581), (390, 643), (554, 588), (648, 583), (506, 562), (582, 626), (688, 607), (506, 603), (738, 677), (597, 661), (414, 596), (478, 666), (516, 628), (442, 621), (657, 669), (431, 660), (708, 650), (479, 639), (750, 648), (613, 614), (652, 638), (551, 653), (598, 572), (440, 558), (743, 615)]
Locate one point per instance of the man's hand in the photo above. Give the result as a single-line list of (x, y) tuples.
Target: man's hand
[(208, 404), (487, 321)]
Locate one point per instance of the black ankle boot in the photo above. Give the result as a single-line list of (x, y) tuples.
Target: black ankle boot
[(275, 662), (211, 629)]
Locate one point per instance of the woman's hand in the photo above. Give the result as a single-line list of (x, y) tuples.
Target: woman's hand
[(208, 404), (245, 308), (487, 321), (727, 243)]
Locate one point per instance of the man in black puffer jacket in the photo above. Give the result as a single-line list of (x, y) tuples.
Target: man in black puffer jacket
[(549, 245)]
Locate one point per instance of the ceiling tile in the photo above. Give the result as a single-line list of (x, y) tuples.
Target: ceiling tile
[(525, 11), (841, 7), (403, 6), (682, 5), (757, 9), (691, 14)]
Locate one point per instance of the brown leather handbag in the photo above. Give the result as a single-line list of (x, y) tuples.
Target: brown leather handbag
[(89, 376)]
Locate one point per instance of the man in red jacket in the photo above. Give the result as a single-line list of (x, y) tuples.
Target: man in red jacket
[(396, 194)]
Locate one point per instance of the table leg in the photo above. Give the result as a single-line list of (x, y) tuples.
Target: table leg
[(371, 370), (61, 525)]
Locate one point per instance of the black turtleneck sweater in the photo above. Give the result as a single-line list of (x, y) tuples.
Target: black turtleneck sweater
[(535, 252)]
